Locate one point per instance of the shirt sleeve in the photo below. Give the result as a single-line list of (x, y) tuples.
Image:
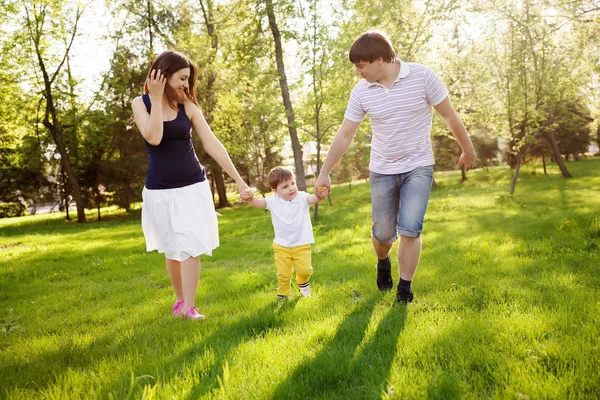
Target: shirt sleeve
[(303, 197), (355, 111), (269, 202), (435, 89)]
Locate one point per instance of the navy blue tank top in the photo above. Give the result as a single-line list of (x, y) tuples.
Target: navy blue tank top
[(173, 163)]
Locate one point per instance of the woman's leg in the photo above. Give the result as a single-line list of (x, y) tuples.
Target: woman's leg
[(174, 271), (190, 274)]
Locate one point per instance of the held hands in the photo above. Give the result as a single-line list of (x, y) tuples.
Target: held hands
[(244, 190), (322, 192), (324, 186), (467, 159), (247, 195), (156, 84)]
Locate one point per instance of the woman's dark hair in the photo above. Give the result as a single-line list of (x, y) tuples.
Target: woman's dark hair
[(370, 46), (169, 62)]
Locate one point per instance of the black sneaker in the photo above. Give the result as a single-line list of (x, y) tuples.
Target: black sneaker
[(384, 275), (404, 295)]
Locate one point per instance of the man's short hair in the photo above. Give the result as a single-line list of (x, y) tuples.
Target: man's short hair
[(370, 46), (278, 175)]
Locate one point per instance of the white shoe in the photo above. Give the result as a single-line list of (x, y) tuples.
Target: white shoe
[(305, 290)]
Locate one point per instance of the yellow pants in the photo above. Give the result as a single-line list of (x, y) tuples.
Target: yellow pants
[(285, 257)]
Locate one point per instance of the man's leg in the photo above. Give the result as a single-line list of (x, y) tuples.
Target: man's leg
[(382, 250), (414, 196), (385, 196), (409, 251)]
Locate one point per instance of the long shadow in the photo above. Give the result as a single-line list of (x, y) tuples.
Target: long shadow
[(369, 375), (220, 343), (334, 364)]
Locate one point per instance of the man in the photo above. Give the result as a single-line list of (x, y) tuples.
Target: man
[(398, 98)]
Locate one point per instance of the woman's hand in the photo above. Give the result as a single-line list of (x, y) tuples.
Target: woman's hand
[(247, 196), (156, 84), (243, 189)]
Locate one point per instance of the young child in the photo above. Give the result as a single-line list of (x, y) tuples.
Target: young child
[(293, 230)]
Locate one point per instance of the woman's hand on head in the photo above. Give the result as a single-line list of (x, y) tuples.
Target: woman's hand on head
[(156, 84)]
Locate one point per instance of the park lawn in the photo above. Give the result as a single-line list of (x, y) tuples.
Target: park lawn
[(507, 303)]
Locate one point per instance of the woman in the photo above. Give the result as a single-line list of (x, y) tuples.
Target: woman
[(178, 214)]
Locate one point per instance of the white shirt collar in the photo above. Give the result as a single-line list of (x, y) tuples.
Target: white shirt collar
[(403, 73), (281, 200)]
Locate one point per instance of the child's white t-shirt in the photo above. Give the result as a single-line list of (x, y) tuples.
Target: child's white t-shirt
[(291, 220)]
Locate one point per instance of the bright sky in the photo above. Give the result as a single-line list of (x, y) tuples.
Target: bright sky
[(91, 50)]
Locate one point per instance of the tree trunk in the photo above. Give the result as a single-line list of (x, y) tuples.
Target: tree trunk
[(212, 186), (318, 171), (150, 35), (217, 174), (209, 98), (56, 132), (557, 156), (65, 194), (296, 147), (544, 163), (35, 31), (513, 186)]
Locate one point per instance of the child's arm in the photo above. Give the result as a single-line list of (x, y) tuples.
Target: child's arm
[(249, 198), (314, 199)]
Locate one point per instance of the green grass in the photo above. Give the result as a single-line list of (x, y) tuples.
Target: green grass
[(506, 303)]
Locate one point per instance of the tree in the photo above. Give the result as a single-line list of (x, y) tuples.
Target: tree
[(285, 94), (58, 15), (321, 116), (530, 70), (248, 115)]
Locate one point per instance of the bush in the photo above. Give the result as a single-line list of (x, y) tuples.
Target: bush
[(8, 210)]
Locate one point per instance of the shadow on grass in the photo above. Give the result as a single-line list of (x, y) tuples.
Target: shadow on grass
[(217, 347), (338, 371)]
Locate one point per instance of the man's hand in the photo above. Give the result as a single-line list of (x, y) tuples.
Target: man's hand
[(467, 160), (322, 192), (323, 183)]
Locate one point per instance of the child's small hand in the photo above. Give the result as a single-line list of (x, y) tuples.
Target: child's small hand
[(322, 192), (247, 196)]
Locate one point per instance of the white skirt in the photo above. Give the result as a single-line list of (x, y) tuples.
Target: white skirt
[(181, 222)]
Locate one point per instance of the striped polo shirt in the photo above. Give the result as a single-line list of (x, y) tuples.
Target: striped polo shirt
[(400, 118)]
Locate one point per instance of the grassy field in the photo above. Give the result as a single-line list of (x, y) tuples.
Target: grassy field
[(507, 303)]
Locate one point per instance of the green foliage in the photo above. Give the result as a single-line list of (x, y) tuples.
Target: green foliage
[(8, 210), (513, 71)]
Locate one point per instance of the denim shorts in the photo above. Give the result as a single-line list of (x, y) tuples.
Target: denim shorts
[(399, 203)]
